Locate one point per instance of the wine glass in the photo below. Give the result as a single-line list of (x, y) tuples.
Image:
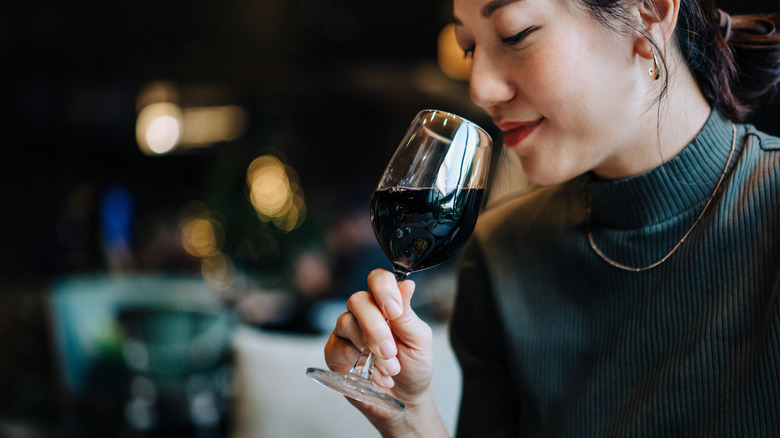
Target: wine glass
[(423, 211)]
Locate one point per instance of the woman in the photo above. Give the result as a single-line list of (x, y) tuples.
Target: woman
[(635, 292)]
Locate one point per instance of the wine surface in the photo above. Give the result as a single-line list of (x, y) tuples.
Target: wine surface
[(420, 228)]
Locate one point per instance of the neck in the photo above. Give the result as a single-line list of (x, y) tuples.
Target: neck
[(666, 127)]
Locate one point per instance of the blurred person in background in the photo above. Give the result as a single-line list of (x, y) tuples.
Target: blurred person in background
[(326, 277), (634, 291)]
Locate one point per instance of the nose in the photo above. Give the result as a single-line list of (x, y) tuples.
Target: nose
[(489, 84)]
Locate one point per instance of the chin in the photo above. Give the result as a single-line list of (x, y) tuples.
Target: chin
[(546, 176)]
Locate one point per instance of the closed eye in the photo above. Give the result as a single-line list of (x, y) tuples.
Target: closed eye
[(518, 37)]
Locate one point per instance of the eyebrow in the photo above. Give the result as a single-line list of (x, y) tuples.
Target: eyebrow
[(489, 9)]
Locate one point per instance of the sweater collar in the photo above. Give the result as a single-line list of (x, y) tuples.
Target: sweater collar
[(684, 182)]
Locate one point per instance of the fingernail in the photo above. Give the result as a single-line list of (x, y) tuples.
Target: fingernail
[(392, 367), (387, 349), (392, 309), (384, 381)]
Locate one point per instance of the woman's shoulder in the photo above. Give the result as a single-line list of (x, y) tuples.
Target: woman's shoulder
[(756, 176), (760, 158), (534, 209), (766, 142)]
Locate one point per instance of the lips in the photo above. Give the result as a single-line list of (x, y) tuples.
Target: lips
[(516, 132)]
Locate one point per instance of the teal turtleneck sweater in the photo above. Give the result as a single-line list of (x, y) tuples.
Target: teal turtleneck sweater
[(554, 341)]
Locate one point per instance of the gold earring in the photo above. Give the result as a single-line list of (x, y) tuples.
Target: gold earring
[(655, 70)]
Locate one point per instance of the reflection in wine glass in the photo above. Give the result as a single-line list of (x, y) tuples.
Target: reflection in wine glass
[(423, 211)]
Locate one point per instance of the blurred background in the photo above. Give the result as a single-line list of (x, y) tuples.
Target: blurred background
[(184, 206), (185, 195)]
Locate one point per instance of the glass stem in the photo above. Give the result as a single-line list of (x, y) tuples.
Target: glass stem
[(400, 275), (364, 366)]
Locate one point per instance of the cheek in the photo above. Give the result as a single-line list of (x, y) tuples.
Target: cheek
[(558, 89), (579, 90)]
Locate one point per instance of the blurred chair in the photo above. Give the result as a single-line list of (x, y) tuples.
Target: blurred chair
[(139, 355), (179, 362)]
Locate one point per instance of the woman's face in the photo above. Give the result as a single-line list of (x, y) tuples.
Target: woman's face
[(564, 90)]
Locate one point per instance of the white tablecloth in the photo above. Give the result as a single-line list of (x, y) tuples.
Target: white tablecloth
[(277, 400)]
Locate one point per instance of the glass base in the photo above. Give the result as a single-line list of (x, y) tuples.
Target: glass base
[(356, 387)]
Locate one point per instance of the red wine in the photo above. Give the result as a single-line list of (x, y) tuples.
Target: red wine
[(420, 228)]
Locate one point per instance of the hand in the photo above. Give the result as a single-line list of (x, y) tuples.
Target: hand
[(383, 321)]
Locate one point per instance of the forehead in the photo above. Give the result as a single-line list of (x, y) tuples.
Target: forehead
[(481, 8), (473, 11), (491, 6), (485, 8)]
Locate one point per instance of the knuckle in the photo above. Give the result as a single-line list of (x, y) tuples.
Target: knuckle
[(340, 353), (377, 275), (345, 320), (347, 328), (375, 272), (357, 299)]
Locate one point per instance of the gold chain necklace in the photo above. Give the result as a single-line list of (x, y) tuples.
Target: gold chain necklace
[(669, 254)]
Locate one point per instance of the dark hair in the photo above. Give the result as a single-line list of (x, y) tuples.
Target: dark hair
[(735, 76)]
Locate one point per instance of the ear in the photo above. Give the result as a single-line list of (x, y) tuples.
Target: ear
[(657, 20)]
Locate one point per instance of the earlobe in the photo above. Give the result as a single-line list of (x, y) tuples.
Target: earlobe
[(643, 48)]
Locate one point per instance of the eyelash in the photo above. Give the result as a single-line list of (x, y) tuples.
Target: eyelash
[(509, 41), (520, 36)]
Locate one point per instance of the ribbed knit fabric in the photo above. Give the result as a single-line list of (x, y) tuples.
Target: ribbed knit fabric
[(555, 342)]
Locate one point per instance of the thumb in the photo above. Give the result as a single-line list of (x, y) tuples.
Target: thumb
[(408, 327)]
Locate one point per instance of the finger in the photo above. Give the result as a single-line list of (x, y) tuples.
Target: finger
[(383, 380), (379, 338), (348, 328), (340, 354), (408, 327), (345, 343), (406, 288), (388, 367), (384, 288)]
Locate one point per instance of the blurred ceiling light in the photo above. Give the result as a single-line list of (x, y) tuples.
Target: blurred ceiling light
[(294, 216), (274, 193), (212, 124), (219, 271), (452, 61), (202, 237), (158, 128), (268, 184), (174, 117)]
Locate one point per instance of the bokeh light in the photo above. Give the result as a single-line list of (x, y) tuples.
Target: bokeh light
[(275, 194), (165, 124), (219, 271), (452, 61), (269, 185), (158, 128), (202, 237), (163, 134), (204, 126)]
